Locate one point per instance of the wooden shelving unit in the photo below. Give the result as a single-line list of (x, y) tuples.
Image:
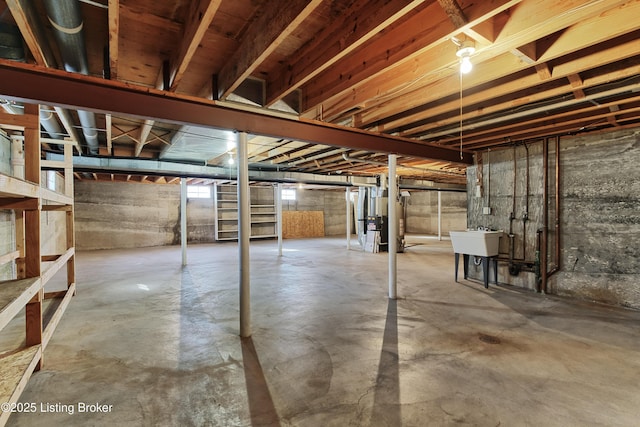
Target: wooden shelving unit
[(263, 212), (22, 193)]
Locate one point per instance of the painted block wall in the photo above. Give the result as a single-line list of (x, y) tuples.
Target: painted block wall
[(422, 212), (599, 213), (331, 202)]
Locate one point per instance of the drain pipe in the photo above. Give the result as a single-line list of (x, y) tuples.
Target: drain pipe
[(545, 216), (525, 214), (65, 17), (556, 267)]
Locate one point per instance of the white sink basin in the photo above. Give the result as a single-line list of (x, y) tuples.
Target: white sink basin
[(478, 243)]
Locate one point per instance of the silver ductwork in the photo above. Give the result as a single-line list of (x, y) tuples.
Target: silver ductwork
[(66, 20), (11, 46), (50, 124)]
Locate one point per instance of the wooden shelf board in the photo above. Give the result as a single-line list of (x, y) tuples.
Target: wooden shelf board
[(9, 257), (55, 319), (264, 222), (55, 197), (14, 296), (16, 370), (57, 265), (11, 187)]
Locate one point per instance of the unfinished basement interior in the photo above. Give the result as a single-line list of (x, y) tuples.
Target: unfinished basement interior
[(319, 213)]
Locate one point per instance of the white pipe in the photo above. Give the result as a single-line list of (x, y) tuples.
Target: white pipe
[(244, 232), (183, 219), (392, 244), (439, 215), (348, 196), (279, 217)]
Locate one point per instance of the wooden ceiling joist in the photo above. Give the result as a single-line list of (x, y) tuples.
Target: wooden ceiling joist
[(200, 15), (27, 19), (409, 53), (262, 39), (454, 12), (498, 67), (333, 44), (440, 61), (114, 36)]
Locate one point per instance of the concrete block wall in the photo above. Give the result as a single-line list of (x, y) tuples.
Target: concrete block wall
[(600, 218), (331, 202), (599, 213), (422, 212)]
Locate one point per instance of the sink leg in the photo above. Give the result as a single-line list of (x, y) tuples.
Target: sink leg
[(485, 271), (457, 259), (466, 266), (495, 269)]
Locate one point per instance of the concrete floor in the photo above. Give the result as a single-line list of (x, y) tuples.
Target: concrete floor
[(159, 343)]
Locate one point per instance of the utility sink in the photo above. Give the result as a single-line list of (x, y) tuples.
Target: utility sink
[(476, 242)]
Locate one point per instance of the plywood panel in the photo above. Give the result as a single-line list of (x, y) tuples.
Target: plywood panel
[(298, 224)]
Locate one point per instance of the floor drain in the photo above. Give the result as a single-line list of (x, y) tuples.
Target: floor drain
[(489, 339)]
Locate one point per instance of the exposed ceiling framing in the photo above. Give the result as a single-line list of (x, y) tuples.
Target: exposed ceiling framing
[(330, 86)]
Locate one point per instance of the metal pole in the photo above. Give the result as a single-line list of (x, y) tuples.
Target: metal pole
[(183, 219), (244, 231), (348, 194), (393, 228), (279, 217), (439, 215)]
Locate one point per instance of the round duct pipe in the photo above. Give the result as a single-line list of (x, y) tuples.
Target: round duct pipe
[(66, 20)]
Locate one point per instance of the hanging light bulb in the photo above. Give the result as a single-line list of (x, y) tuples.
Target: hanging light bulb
[(465, 50), (230, 161), (465, 65)]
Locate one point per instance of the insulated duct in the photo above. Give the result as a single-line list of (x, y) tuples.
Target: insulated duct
[(65, 17), (11, 47)]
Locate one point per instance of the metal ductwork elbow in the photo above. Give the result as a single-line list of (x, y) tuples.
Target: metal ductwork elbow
[(66, 19)]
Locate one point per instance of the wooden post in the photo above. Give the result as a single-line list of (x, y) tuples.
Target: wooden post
[(33, 310), (68, 191)]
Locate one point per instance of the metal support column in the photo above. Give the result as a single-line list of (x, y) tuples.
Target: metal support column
[(183, 219), (439, 215), (393, 228), (244, 232), (348, 196), (279, 217)]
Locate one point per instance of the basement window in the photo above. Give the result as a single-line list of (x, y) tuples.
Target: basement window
[(198, 192), (288, 194)]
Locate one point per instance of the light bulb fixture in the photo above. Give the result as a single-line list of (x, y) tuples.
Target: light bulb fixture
[(465, 65), (466, 48), (230, 161)]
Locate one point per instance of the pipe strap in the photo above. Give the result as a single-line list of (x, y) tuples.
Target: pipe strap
[(66, 30)]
